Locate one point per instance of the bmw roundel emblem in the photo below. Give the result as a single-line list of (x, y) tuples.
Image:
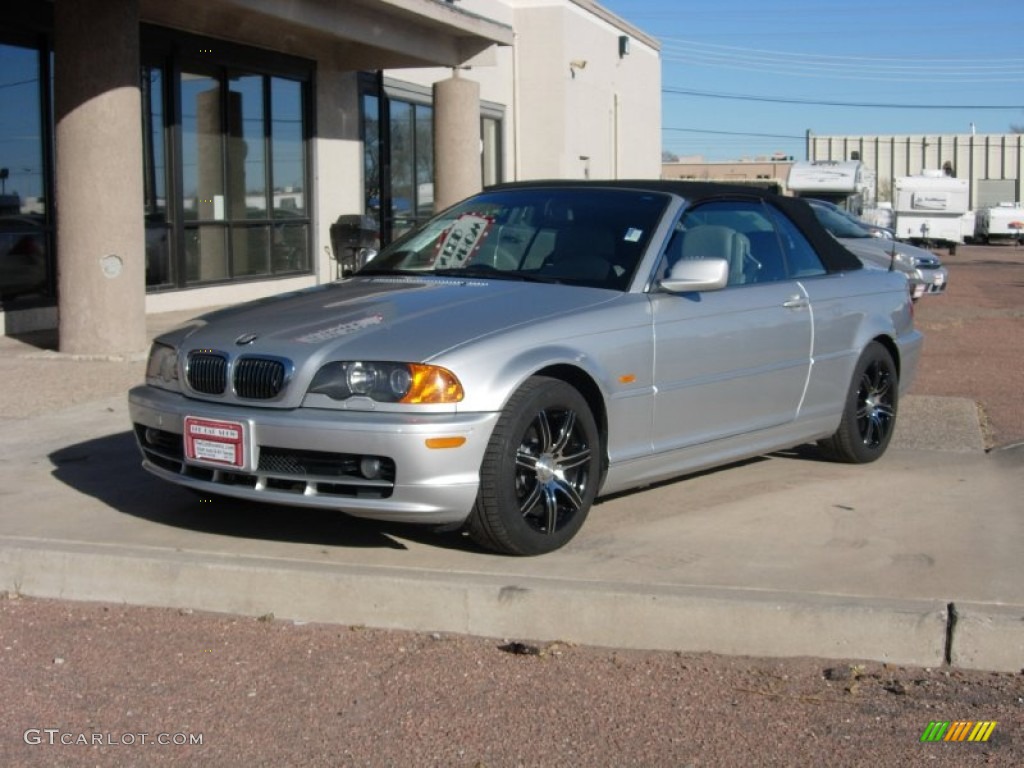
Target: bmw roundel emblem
[(245, 338)]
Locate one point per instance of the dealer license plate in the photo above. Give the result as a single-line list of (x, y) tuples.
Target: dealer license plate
[(210, 441)]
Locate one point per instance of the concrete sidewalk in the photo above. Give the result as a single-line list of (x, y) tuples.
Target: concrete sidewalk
[(914, 559)]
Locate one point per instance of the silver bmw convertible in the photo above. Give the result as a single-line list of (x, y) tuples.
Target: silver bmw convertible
[(532, 348)]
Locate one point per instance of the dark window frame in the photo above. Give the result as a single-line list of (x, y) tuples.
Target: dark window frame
[(31, 27), (387, 91), (777, 260), (177, 52)]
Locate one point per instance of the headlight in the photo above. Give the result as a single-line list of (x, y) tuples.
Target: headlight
[(162, 367), (387, 382), (904, 262)]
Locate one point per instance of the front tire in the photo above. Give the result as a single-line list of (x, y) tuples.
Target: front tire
[(540, 472), (869, 414)]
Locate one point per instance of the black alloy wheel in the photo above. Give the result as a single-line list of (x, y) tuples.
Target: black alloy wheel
[(540, 472), (869, 413)]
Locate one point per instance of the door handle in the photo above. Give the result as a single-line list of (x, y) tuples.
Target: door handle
[(796, 302)]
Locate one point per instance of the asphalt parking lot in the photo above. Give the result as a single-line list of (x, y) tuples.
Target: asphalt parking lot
[(912, 561)]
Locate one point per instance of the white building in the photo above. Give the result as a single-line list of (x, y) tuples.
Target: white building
[(993, 164), (215, 175)]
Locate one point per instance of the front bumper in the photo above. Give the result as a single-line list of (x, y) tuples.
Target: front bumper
[(312, 457), (925, 281)]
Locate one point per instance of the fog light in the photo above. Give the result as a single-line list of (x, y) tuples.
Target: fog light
[(369, 467), (152, 436)]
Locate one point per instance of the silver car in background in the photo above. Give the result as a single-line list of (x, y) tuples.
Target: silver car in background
[(534, 347), (924, 270)]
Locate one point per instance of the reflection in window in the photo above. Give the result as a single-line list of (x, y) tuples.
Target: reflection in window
[(247, 176), (243, 176), (412, 165), (371, 155), (402, 133), (289, 247), (24, 223), (202, 162), (246, 164), (158, 250), (249, 249), (424, 161), (205, 253), (405, 197), (287, 148)]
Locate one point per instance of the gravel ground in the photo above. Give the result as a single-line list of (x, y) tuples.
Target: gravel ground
[(974, 337), (263, 692), (266, 692)]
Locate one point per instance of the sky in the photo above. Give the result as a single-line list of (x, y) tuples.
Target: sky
[(749, 78)]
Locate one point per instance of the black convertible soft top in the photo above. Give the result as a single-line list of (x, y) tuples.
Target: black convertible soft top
[(833, 255)]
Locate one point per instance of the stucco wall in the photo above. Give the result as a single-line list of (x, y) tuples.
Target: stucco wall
[(608, 111)]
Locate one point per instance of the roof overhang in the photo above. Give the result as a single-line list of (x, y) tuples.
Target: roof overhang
[(363, 34)]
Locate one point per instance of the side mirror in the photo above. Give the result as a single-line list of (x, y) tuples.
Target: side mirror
[(689, 275)]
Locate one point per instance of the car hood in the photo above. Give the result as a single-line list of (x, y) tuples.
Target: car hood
[(872, 252), (879, 252), (407, 319)]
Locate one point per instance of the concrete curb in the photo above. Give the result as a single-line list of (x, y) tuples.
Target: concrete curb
[(652, 617), (989, 637), (930, 423)]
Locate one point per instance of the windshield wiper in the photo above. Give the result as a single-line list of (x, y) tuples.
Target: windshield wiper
[(482, 270), (383, 271), (473, 270)]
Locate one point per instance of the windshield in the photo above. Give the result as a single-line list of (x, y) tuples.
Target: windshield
[(838, 224), (586, 236)]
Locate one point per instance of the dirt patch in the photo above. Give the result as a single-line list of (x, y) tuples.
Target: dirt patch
[(974, 337)]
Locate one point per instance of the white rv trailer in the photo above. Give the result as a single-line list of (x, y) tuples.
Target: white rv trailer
[(932, 208), (1004, 221), (847, 184)]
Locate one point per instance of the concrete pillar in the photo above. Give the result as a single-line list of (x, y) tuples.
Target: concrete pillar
[(101, 243), (456, 140)]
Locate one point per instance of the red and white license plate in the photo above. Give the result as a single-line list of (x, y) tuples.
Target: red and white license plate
[(211, 441)]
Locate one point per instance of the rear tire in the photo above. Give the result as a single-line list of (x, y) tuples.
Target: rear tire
[(869, 414), (540, 472)]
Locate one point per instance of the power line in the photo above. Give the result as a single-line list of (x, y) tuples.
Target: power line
[(899, 63), (946, 70), (16, 83), (734, 133), (821, 103)]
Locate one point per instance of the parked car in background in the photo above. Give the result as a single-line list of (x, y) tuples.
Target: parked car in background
[(531, 348), (875, 230), (924, 270)]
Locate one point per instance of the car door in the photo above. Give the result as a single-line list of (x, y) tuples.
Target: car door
[(737, 359)]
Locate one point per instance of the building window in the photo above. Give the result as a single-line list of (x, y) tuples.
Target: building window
[(235, 203), (154, 166), (373, 170), (411, 134), (26, 231), (398, 153)]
